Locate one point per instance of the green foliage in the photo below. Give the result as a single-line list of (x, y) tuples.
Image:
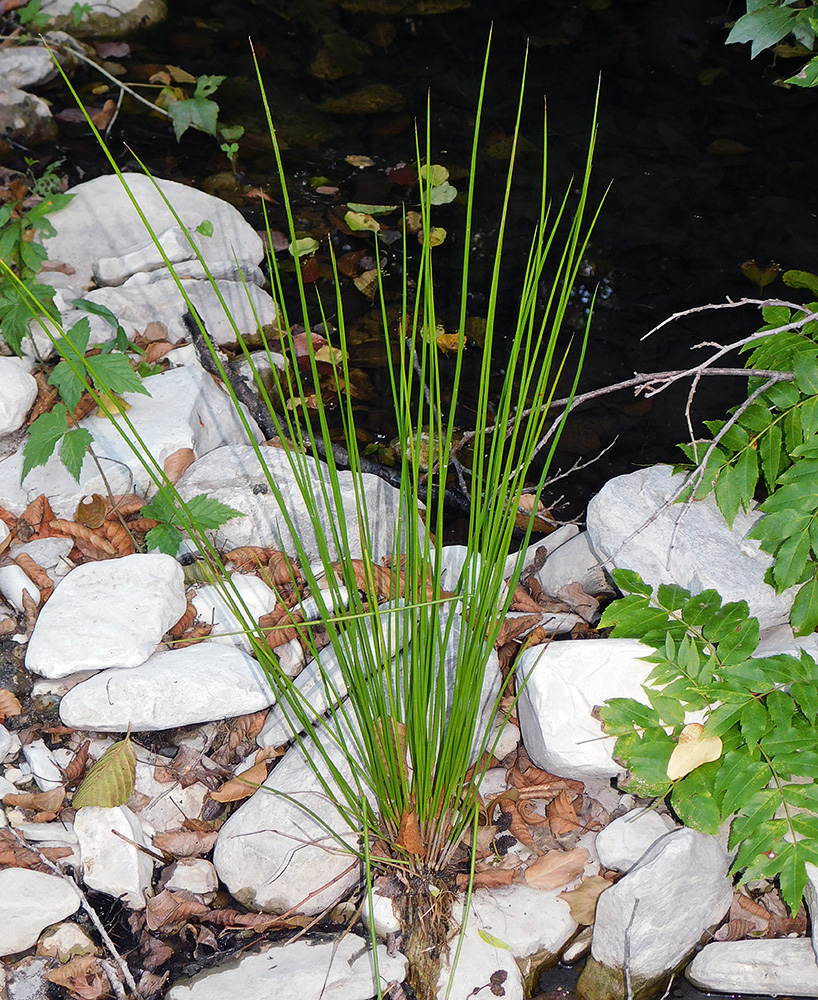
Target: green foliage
[(767, 23), (764, 710), (201, 513), (198, 111), (107, 373), (21, 225), (31, 15), (772, 445)]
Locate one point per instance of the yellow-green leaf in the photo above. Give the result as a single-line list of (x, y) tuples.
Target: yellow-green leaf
[(110, 781)]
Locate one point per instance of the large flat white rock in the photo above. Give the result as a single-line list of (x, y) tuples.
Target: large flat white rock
[(111, 613), (199, 683), (777, 967)]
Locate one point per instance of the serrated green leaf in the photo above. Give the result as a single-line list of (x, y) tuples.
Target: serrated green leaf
[(113, 374), (801, 279), (164, 537), (207, 85), (791, 560), (781, 709), (804, 612), (43, 436), (805, 369), (694, 800), (738, 779), (207, 513), (110, 782), (736, 485), (74, 448), (647, 760), (70, 385), (806, 695), (631, 582), (762, 27), (769, 450), (754, 722)]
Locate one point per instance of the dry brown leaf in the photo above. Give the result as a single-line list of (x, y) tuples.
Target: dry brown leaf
[(50, 801), (512, 628), (580, 602), (245, 728), (125, 504), (46, 397), (259, 922), (155, 330), (556, 868), (8, 626), (248, 558), (38, 576), (747, 909), (518, 826), (187, 619), (177, 463), (30, 612), (582, 900), (38, 516), (120, 537), (561, 814), (186, 843), (92, 542), (523, 601), (14, 855), (167, 909), (9, 704), (489, 878), (83, 977), (409, 834), (243, 785), (734, 930), (76, 768), (92, 513), (157, 350)]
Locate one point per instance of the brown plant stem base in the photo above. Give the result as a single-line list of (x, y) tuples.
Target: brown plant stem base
[(425, 914)]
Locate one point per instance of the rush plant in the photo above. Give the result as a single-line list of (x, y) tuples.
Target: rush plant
[(417, 684)]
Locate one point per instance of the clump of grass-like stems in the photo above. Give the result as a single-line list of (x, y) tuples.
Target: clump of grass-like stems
[(409, 727)]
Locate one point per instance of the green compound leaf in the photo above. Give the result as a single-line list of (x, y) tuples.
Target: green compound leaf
[(208, 514), (43, 436), (804, 613), (110, 782), (74, 448)]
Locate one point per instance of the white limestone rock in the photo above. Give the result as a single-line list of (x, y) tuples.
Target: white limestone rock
[(111, 613), (24, 117), (185, 409), (774, 967), (622, 842), (66, 941), (479, 960), (29, 902), (109, 863), (101, 222), (253, 598), (194, 875), (534, 923), (172, 245), (14, 582), (682, 886), (50, 553), (156, 295), (7, 744), (27, 66), (198, 683), (333, 970), (234, 476), (573, 561), (44, 768), (627, 525), (565, 681), (18, 389), (169, 803), (273, 855), (811, 898)]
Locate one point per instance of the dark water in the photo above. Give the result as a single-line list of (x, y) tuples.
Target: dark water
[(711, 163)]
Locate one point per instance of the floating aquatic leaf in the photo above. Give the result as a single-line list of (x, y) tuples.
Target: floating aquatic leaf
[(358, 221), (304, 246), (355, 206)]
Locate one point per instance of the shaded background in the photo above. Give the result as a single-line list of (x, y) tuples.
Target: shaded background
[(711, 162)]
